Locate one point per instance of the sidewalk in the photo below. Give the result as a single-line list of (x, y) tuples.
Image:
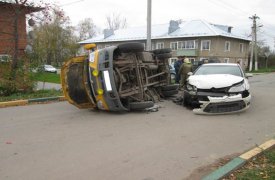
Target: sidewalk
[(47, 85)]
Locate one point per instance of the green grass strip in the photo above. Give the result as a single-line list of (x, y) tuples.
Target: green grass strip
[(47, 77), (224, 170), (31, 95), (43, 99)]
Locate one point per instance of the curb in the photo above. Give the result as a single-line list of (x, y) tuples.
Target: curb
[(239, 161), (29, 101)]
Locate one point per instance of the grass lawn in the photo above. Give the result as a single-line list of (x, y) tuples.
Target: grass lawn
[(36, 94), (260, 167), (47, 77), (263, 70)]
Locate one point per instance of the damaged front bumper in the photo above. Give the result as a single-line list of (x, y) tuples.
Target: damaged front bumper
[(223, 105)]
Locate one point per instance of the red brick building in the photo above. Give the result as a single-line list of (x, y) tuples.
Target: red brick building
[(8, 29)]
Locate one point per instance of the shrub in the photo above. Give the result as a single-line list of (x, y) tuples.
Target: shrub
[(21, 83)]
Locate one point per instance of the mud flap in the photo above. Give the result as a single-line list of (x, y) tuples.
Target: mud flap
[(75, 83)]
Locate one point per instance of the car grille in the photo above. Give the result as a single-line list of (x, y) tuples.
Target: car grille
[(214, 90), (225, 107)]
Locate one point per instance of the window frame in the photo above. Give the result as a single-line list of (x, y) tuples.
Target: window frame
[(227, 48), (204, 41), (181, 45), (226, 60), (185, 44), (241, 47), (160, 44), (153, 46), (171, 45)]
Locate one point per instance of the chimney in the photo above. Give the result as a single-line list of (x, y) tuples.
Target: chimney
[(173, 26), (108, 33), (229, 28)]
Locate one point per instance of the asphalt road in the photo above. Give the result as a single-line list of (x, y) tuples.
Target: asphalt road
[(60, 142)]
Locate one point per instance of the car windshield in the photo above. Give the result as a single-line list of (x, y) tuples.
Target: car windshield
[(48, 66), (219, 69)]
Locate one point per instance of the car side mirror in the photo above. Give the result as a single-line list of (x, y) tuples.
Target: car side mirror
[(247, 75), (190, 74)]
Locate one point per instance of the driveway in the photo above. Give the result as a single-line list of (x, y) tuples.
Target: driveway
[(59, 141)]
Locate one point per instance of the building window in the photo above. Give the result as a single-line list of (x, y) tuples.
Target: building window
[(192, 60), (153, 46), (160, 45), (4, 58), (227, 46), (226, 60), (107, 45), (205, 44), (203, 59), (186, 44), (174, 46), (241, 47), (171, 61), (181, 45), (190, 44)]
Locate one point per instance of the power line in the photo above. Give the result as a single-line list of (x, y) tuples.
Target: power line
[(222, 3), (234, 7), (67, 4), (226, 5), (229, 7)]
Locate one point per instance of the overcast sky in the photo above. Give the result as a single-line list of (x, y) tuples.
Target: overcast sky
[(234, 13)]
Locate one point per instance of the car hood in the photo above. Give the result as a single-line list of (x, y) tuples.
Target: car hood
[(214, 80)]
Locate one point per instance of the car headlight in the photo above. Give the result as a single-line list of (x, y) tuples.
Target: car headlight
[(190, 87), (237, 88)]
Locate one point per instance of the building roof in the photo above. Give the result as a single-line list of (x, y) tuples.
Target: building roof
[(27, 9), (193, 28)]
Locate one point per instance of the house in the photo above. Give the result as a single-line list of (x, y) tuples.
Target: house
[(8, 28), (196, 39)]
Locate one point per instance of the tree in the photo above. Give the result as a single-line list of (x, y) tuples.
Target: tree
[(264, 52), (86, 29), (54, 40), (115, 21)]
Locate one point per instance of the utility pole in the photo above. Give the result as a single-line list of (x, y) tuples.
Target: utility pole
[(254, 43), (251, 50), (149, 14)]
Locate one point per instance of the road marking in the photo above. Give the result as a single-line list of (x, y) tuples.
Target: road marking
[(253, 152), (13, 103)]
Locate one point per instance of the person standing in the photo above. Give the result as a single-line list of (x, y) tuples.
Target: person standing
[(185, 68), (177, 66)]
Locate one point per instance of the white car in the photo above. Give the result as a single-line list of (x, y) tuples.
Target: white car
[(217, 88), (49, 68)]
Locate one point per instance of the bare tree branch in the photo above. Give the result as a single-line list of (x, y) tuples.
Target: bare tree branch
[(115, 21)]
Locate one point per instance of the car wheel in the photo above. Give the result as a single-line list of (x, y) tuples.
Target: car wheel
[(162, 51), (170, 87), (169, 93), (164, 56), (141, 105), (185, 100), (131, 47)]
